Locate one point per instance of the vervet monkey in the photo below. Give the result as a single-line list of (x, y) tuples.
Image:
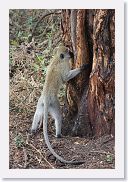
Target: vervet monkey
[(58, 72)]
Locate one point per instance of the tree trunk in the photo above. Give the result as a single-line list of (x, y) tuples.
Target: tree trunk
[(89, 106)]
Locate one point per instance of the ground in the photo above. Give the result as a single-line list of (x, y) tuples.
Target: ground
[(31, 152)]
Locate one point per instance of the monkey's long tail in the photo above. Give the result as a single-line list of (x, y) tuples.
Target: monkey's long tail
[(45, 131)]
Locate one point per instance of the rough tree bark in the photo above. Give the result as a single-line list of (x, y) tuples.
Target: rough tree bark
[(89, 106)]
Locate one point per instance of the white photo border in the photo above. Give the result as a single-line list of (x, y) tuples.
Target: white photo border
[(118, 172)]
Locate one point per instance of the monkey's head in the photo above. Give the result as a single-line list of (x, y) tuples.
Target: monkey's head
[(64, 54)]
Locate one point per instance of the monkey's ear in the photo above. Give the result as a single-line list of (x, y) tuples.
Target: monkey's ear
[(55, 50), (61, 44)]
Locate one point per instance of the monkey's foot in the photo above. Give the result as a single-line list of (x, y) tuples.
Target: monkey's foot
[(58, 136), (32, 132)]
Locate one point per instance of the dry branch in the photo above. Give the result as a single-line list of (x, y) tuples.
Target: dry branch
[(41, 18)]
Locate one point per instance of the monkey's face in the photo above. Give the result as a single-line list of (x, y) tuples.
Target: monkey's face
[(64, 53)]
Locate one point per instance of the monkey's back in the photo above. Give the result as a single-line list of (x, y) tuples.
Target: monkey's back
[(55, 74), (53, 80)]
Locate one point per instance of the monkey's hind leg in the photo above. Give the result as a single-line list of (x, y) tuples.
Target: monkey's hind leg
[(38, 116), (55, 112)]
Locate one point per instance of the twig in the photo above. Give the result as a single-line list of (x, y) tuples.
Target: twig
[(43, 33), (108, 140), (22, 89), (25, 157), (41, 18), (101, 152), (12, 22), (32, 146)]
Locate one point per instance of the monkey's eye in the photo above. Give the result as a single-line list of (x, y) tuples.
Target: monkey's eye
[(62, 56)]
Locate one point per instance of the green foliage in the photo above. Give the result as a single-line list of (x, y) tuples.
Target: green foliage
[(36, 67), (10, 57), (40, 64), (53, 27), (19, 142), (109, 158), (14, 43), (22, 22), (39, 57), (44, 69), (20, 34), (49, 39), (30, 21), (29, 58)]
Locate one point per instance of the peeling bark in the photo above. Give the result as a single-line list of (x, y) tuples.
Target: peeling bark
[(89, 106), (101, 93)]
